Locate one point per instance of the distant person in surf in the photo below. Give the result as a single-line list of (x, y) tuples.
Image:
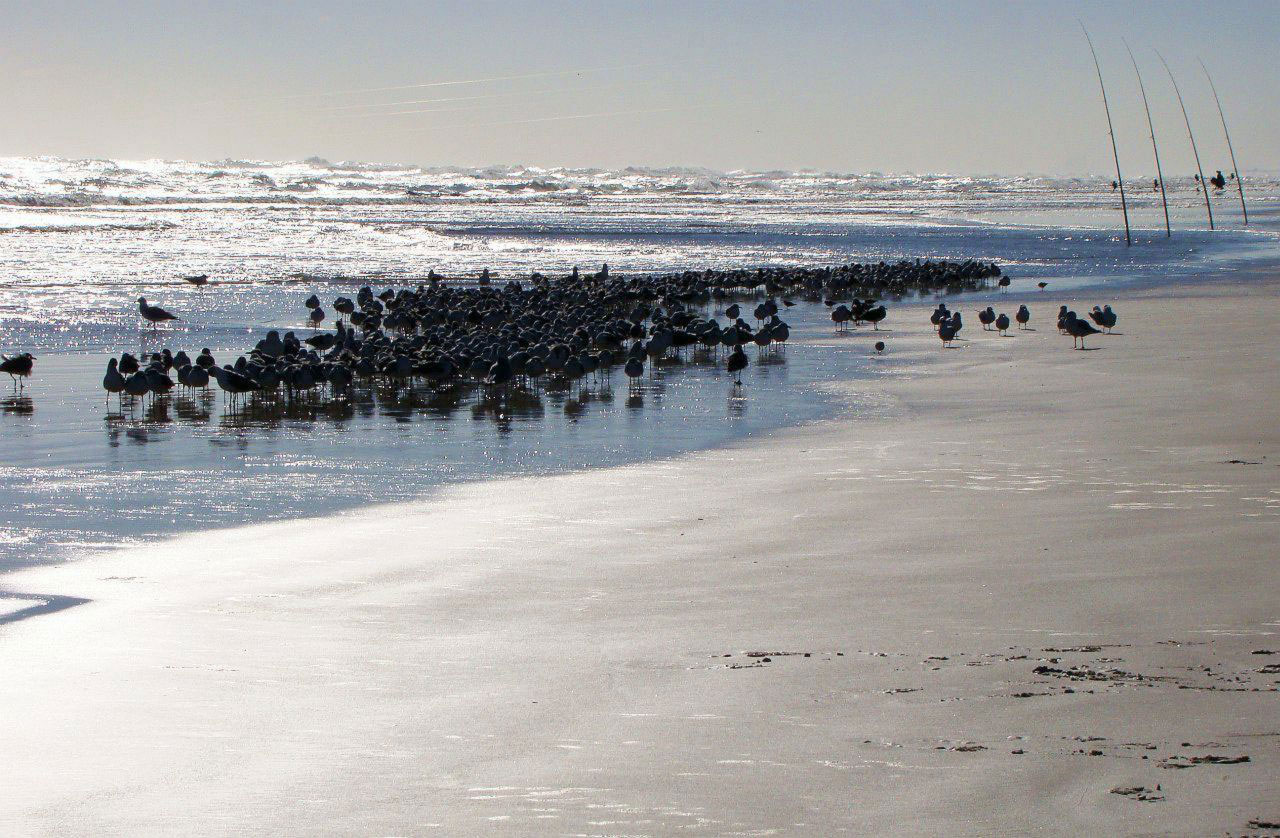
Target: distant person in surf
[(1114, 186), (1218, 180), (1155, 184)]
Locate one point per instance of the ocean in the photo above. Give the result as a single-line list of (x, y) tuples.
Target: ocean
[(81, 240)]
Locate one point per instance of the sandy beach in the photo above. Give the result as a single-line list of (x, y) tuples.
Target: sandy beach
[(1019, 589)]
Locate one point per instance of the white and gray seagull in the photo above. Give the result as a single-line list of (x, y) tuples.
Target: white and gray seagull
[(153, 314)]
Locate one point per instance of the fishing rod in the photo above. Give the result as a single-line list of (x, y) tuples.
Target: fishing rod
[(1168, 231), (1239, 177), (1203, 183), (1124, 206)]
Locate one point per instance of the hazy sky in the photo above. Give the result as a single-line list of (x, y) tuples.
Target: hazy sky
[(977, 87)]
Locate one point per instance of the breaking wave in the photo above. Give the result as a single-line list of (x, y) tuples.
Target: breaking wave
[(56, 182)]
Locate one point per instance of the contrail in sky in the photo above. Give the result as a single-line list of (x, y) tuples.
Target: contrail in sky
[(539, 119), (458, 99), (455, 82)]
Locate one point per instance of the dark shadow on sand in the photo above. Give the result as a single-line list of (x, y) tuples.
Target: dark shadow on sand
[(44, 604)]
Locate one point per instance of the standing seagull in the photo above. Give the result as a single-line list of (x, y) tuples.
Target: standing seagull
[(737, 363), (197, 280), (153, 314), (17, 367), (1079, 329), (113, 381), (1023, 316), (947, 331)]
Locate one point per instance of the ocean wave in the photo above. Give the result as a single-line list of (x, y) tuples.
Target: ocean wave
[(88, 227), (56, 182)]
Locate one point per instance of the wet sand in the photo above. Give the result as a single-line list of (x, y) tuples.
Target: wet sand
[(1020, 589)]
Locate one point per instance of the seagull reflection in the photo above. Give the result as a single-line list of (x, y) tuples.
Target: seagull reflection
[(18, 406), (191, 411)]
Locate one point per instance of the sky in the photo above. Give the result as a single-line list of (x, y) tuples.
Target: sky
[(967, 88)]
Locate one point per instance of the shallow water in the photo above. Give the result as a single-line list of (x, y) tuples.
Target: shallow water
[(81, 240), (86, 473)]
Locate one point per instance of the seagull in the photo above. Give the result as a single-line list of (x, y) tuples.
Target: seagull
[(197, 377), (1004, 284), (1042, 285), (158, 381), (113, 381), (634, 369), (153, 314), (322, 342), (986, 317), (1079, 329), (1023, 316), (137, 384), (232, 382), (947, 331), (1002, 323), (737, 363), (18, 367), (197, 280)]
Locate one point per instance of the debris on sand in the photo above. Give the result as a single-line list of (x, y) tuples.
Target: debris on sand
[(1139, 793), (1207, 759), (968, 747)]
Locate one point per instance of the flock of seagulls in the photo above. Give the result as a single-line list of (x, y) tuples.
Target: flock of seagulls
[(474, 338), (1079, 328), (857, 311), (571, 329), (480, 335), (948, 323)]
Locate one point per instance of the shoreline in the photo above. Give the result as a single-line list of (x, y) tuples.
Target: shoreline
[(136, 426), (875, 565)]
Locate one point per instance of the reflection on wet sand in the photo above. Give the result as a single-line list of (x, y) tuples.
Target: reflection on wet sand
[(18, 405), (191, 458), (143, 419)]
